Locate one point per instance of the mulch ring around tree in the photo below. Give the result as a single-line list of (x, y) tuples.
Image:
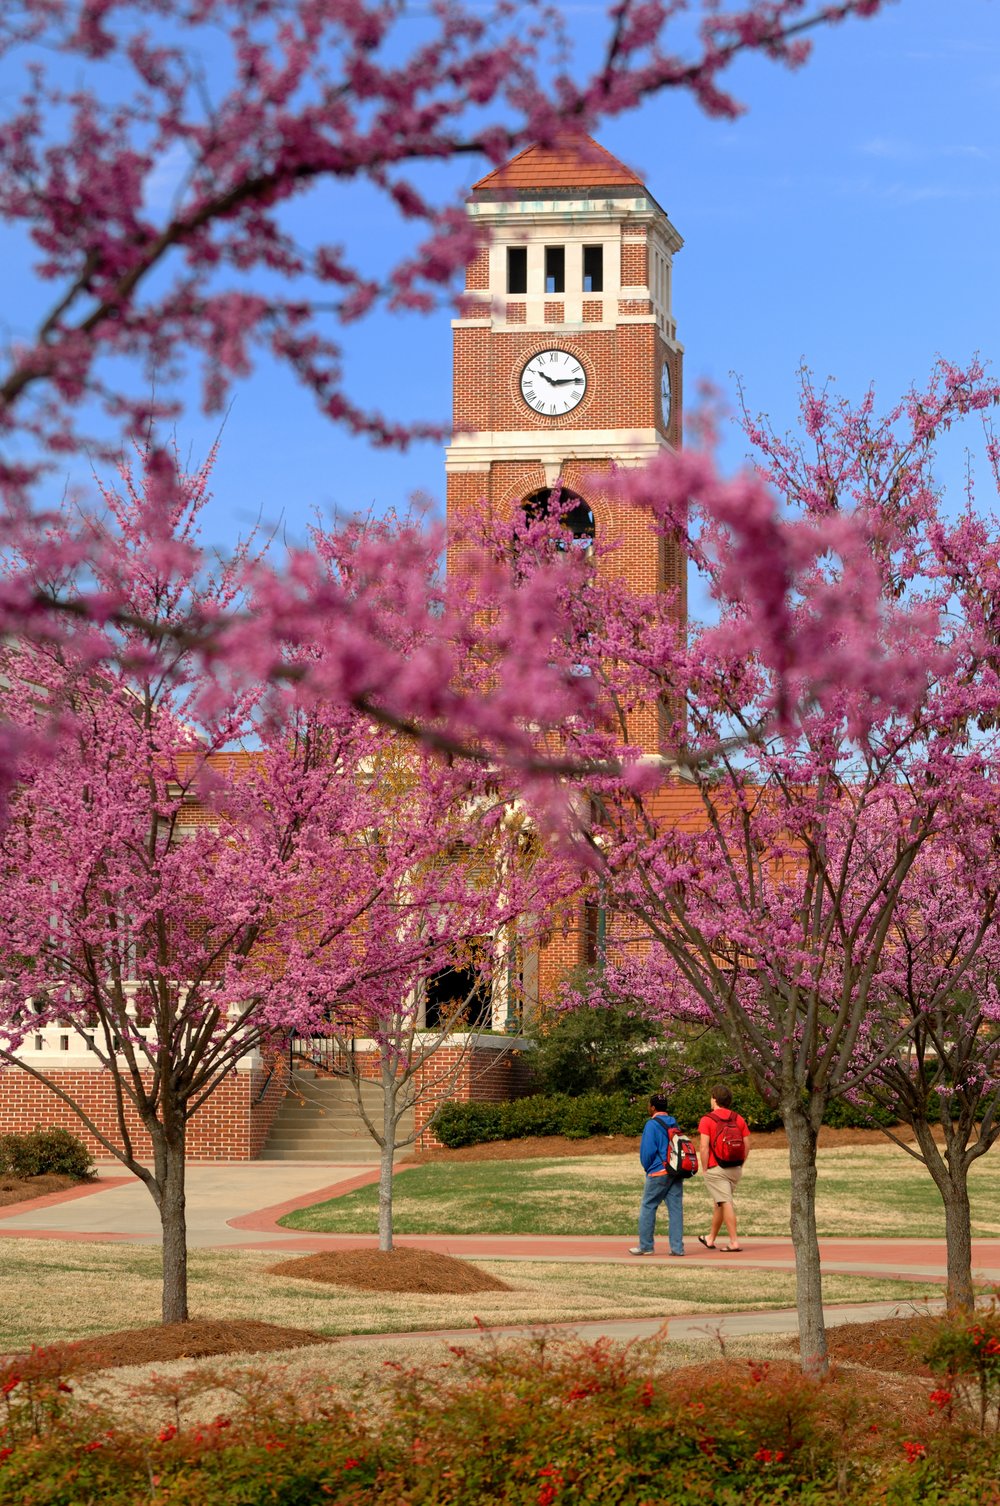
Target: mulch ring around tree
[(23, 1189), (196, 1339), (400, 1270), (889, 1344)]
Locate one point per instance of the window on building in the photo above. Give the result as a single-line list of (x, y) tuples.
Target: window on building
[(577, 518), (458, 998), (517, 269), (593, 269), (555, 269)]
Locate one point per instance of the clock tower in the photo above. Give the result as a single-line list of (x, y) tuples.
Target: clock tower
[(566, 359)]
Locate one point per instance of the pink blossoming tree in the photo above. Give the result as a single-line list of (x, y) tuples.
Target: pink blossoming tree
[(942, 978), (157, 197), (818, 741), (179, 908)]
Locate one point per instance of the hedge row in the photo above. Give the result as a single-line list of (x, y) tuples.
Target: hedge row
[(542, 1114), (605, 1114)]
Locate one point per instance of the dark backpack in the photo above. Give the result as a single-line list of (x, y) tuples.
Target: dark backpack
[(681, 1158), (728, 1144)]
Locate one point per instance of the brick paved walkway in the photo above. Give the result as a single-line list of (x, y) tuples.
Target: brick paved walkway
[(118, 1208)]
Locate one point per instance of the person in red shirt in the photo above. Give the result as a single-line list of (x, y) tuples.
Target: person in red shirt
[(723, 1171)]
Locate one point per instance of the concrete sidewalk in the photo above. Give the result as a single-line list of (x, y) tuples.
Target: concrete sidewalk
[(118, 1207), (700, 1326)]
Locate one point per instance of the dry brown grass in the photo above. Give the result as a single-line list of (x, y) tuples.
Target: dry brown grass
[(62, 1291)]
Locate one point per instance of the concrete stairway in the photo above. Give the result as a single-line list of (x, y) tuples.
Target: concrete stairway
[(319, 1121)]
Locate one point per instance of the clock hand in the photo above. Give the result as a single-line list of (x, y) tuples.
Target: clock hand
[(552, 381), (563, 381)]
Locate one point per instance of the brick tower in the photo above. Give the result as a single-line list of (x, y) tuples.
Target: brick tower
[(566, 360)]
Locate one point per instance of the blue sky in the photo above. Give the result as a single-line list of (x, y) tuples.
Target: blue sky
[(850, 219)]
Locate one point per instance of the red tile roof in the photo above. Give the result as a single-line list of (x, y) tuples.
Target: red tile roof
[(572, 161)]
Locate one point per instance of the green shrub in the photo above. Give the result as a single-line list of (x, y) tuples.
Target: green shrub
[(695, 1063), (619, 1114), (841, 1114), (457, 1124), (689, 1101), (604, 1114), (607, 1048), (52, 1151), (542, 1114), (537, 1115)]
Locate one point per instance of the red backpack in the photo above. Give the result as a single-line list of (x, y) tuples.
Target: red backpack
[(681, 1158), (728, 1145)]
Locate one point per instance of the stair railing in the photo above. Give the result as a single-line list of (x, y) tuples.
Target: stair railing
[(324, 1053)]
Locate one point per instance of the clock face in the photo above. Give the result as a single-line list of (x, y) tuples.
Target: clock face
[(666, 396), (553, 382)]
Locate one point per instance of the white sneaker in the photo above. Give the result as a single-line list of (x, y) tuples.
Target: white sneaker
[(636, 1251)]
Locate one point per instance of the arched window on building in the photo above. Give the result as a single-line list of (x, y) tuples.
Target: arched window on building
[(578, 522), (577, 518)]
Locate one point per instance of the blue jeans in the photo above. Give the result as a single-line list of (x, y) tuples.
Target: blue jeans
[(657, 1190)]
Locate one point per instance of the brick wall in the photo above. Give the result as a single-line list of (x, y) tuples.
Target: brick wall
[(477, 273), (623, 367), (635, 262), (487, 1074), (623, 364), (231, 1126)]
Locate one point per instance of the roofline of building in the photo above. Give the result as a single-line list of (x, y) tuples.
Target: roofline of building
[(541, 195)]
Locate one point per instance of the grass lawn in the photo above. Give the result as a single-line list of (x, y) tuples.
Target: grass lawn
[(873, 1190), (57, 1291)]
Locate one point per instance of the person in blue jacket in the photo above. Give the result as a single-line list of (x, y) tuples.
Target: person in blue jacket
[(661, 1184)]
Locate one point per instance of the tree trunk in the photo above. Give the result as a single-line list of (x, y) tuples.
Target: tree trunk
[(170, 1158), (951, 1178), (954, 1190), (802, 1139), (389, 1090)]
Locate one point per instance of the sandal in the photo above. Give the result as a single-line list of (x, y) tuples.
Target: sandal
[(703, 1241)]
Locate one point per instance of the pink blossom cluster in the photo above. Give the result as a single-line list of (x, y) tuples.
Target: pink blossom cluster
[(156, 156)]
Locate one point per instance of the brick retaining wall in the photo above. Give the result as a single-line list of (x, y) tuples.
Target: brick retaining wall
[(234, 1124), (231, 1126)]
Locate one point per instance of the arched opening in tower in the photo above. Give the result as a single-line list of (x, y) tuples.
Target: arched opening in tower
[(574, 513)]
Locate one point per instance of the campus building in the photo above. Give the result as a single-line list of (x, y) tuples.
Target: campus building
[(566, 364)]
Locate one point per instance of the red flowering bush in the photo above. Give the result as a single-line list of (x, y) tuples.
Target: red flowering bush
[(546, 1423), (965, 1350)]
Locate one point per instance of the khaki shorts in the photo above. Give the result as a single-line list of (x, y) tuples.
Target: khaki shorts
[(720, 1183)]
